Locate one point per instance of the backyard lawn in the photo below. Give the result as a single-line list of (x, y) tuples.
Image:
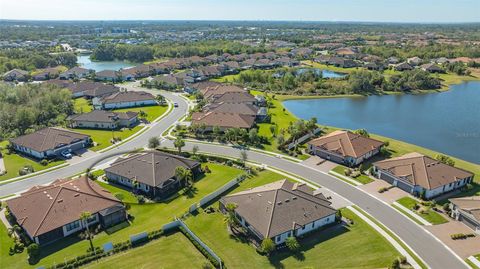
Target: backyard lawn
[(354, 246), (429, 215), (173, 251), (14, 162), (81, 105), (364, 179), (147, 217), (102, 137), (152, 112)]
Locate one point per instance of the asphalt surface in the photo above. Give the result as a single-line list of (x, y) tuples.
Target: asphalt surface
[(430, 249)]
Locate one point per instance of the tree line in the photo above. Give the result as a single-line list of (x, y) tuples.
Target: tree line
[(30, 60), (29, 107)]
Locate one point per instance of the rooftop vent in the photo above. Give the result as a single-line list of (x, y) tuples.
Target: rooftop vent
[(287, 200), (294, 198), (76, 195), (59, 201), (259, 195), (279, 203)]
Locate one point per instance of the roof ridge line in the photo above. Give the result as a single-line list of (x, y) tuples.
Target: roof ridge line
[(271, 214), (48, 211)]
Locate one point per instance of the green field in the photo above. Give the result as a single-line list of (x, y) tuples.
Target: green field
[(81, 105), (362, 178), (14, 162), (147, 217), (103, 138), (153, 112), (172, 251), (430, 215), (336, 247)]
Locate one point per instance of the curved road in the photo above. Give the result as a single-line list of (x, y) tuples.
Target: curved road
[(432, 251)]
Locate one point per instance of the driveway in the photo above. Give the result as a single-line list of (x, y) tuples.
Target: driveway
[(337, 200), (319, 164), (463, 247), (81, 155), (389, 196)]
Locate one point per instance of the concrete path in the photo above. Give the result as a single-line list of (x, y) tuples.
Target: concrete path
[(2, 165), (474, 261)]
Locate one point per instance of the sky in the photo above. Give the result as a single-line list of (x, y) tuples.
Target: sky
[(445, 11)]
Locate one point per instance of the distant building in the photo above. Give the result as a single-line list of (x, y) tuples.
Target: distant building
[(15, 75), (101, 119), (403, 67), (432, 68), (76, 72), (124, 100), (280, 210), (50, 213)]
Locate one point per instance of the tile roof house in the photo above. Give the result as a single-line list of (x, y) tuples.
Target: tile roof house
[(260, 113), (75, 72), (52, 212), (345, 147), (210, 92), (46, 73), (403, 67), (280, 210), (417, 173), (154, 171), (223, 120), (50, 142), (125, 99), (101, 119), (467, 210), (169, 81), (91, 89), (116, 76), (15, 75), (432, 68), (234, 97)]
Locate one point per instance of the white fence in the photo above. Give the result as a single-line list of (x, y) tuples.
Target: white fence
[(303, 138)]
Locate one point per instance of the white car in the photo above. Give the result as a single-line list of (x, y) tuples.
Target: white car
[(66, 154)]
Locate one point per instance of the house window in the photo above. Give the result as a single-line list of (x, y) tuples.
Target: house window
[(313, 224), (92, 219), (277, 238), (72, 226)]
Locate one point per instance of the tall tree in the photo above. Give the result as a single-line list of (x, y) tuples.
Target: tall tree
[(179, 143), (84, 216)]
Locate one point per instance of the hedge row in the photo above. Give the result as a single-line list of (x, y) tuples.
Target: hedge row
[(461, 236), (99, 253), (200, 248)]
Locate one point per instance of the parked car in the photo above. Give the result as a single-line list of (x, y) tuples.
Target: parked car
[(67, 154), (175, 105)]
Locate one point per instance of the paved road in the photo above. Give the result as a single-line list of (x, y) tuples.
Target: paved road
[(429, 248), (138, 142)]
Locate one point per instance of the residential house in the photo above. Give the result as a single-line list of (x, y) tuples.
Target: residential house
[(414, 61), (15, 75), (115, 76), (234, 97), (213, 91), (467, 210), (90, 89), (403, 67), (101, 119), (421, 175), (432, 68), (52, 212), (342, 62), (393, 60), (280, 210), (151, 172), (124, 99), (50, 142), (45, 74), (260, 113), (76, 72), (345, 147), (201, 86), (168, 81), (222, 120)]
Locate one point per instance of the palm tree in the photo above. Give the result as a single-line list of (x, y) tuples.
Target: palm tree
[(243, 156), (230, 218), (181, 174), (179, 143), (84, 216)]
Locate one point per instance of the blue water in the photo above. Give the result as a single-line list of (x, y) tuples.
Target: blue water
[(447, 122), (85, 62), (325, 73)]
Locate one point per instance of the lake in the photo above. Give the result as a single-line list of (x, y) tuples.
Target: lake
[(325, 73), (85, 62), (447, 122)]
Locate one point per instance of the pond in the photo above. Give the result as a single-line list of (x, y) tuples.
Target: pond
[(85, 62), (325, 73), (447, 122)]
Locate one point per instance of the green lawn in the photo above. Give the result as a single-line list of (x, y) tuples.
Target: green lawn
[(153, 112), (102, 138), (173, 251), (81, 105), (430, 215), (362, 178), (147, 217), (14, 162), (355, 246)]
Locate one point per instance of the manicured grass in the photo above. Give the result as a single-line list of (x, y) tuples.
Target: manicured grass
[(362, 178), (147, 217), (102, 138), (81, 105), (429, 215), (153, 112), (336, 247), (415, 257), (407, 215), (472, 265), (173, 251), (14, 162), (6, 261)]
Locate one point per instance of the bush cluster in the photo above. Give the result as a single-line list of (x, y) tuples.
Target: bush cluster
[(461, 236)]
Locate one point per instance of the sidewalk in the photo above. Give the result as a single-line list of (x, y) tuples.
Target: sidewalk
[(2, 165)]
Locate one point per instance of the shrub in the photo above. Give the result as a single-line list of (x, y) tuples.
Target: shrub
[(140, 199), (44, 162), (382, 189), (446, 207), (292, 244), (33, 250), (267, 246), (119, 196), (347, 171), (395, 264), (402, 259)]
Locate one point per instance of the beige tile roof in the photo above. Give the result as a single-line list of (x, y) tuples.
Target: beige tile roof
[(422, 170), (212, 91), (48, 138), (279, 207), (222, 119), (45, 208), (131, 96), (469, 204), (345, 143)]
